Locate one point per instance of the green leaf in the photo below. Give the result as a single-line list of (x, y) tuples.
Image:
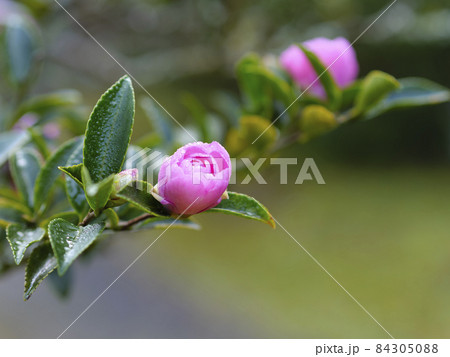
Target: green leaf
[(334, 94), (20, 49), (375, 86), (112, 217), (241, 142), (25, 167), (69, 241), (160, 222), (252, 87), (260, 87), (74, 172), (8, 193), (38, 139), (49, 173), (97, 194), (245, 206), (74, 186), (69, 216), (128, 211), (9, 215), (349, 94), (413, 92), (40, 264), (10, 142), (21, 237), (109, 130), (45, 103), (315, 121), (139, 195), (198, 113), (6, 256), (15, 204)]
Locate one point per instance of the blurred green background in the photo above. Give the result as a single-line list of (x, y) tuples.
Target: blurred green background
[(379, 225)]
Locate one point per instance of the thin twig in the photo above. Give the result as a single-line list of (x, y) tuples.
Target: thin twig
[(89, 217), (131, 222)]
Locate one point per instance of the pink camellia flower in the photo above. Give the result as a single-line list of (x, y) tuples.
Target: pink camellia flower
[(344, 69), (194, 178)]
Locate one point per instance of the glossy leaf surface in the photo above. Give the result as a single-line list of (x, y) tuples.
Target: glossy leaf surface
[(25, 167), (374, 88), (74, 188), (50, 172), (21, 237), (245, 206), (413, 92), (97, 194), (10, 142), (69, 241), (139, 195), (40, 264), (20, 48), (109, 130)]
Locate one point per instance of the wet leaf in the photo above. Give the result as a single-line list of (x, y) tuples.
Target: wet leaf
[(139, 195), (49, 173), (69, 241), (40, 264), (20, 238), (244, 206), (109, 130), (25, 167)]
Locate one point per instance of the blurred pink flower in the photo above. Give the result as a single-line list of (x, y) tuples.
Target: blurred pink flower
[(26, 121), (51, 130), (344, 70), (9, 8), (194, 178)]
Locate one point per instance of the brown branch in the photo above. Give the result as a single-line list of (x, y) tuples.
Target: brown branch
[(89, 217), (131, 222), (121, 226)]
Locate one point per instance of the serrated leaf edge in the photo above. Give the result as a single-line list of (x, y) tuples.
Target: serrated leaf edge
[(61, 271), (17, 259), (27, 296)]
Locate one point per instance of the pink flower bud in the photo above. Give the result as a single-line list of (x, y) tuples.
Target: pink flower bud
[(194, 178), (344, 70)]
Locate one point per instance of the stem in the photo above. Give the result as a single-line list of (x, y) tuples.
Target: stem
[(131, 222), (89, 217)]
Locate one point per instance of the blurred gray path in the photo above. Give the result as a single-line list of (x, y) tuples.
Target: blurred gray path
[(144, 303)]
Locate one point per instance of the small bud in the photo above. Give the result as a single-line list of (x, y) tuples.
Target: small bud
[(240, 142), (225, 196), (316, 120), (124, 178)]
